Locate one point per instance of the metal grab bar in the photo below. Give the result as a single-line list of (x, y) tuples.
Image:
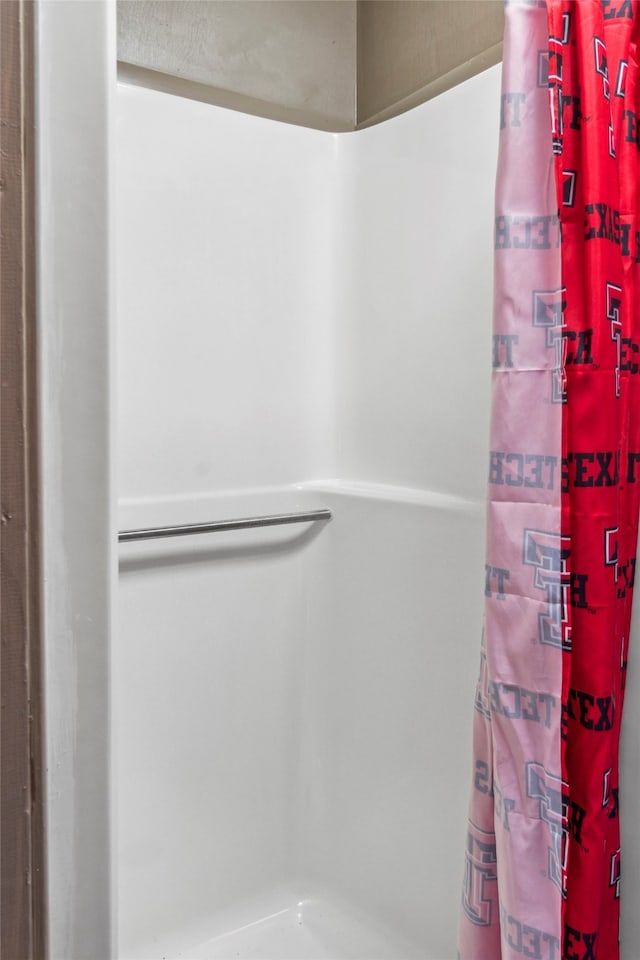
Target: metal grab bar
[(217, 526)]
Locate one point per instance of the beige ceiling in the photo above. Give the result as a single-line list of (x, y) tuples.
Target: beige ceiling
[(332, 64)]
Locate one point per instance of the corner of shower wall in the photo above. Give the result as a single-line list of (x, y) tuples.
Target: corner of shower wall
[(412, 320)]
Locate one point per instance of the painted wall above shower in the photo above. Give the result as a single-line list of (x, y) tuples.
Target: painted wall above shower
[(292, 60), (320, 63)]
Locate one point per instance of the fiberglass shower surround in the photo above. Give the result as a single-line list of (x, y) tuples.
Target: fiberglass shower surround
[(292, 708), (279, 323)]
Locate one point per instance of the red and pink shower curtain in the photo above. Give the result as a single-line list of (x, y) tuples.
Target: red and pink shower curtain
[(542, 876)]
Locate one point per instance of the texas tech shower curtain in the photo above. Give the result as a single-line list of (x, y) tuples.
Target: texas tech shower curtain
[(543, 859)]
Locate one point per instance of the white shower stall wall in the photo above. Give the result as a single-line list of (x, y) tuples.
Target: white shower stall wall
[(304, 319)]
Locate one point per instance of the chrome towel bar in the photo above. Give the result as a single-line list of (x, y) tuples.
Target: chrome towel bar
[(218, 526)]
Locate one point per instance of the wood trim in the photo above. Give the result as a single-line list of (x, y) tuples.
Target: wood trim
[(22, 811)]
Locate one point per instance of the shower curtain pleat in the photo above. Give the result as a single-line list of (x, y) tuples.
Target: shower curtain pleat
[(542, 871)]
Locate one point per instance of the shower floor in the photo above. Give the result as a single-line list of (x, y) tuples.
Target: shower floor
[(298, 929)]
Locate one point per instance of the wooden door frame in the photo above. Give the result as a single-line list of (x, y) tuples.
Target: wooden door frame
[(22, 773)]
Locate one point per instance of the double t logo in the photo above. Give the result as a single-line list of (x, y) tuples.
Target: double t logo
[(548, 553)]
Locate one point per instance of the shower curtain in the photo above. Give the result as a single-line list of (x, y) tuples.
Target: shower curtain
[(542, 873)]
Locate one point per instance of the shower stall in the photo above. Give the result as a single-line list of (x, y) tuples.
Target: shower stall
[(303, 323), (271, 755)]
